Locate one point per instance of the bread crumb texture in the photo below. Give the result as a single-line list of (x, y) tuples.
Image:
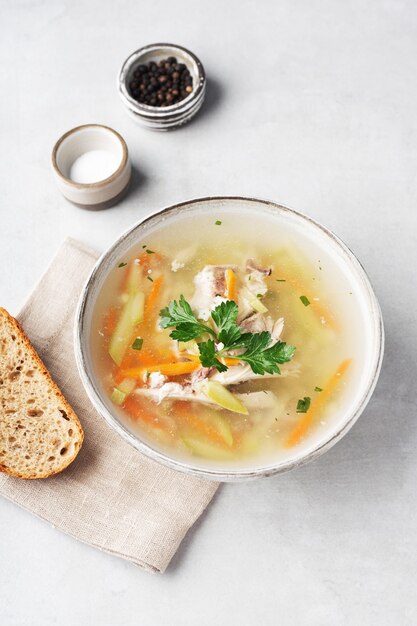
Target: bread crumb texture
[(40, 435)]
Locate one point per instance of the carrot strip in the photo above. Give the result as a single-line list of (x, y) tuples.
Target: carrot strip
[(168, 369), (151, 357), (124, 279), (189, 356), (109, 322), (144, 357), (229, 361), (231, 285), (118, 377), (138, 411), (175, 369), (185, 412), (319, 309), (152, 298), (146, 259), (145, 360), (304, 424)]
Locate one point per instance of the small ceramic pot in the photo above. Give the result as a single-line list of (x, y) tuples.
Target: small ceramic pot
[(78, 141), (162, 118)]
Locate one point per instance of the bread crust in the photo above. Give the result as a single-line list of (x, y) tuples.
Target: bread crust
[(14, 326)]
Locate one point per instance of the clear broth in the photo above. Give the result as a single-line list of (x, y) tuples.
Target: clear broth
[(328, 332)]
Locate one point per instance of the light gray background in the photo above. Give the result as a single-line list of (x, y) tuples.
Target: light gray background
[(312, 104)]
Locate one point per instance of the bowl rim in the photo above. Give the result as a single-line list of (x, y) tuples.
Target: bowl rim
[(228, 475), (98, 183), (159, 112)]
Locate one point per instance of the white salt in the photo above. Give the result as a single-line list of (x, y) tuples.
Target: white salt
[(93, 166)]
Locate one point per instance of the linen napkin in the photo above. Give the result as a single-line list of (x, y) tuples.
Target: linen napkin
[(111, 497)]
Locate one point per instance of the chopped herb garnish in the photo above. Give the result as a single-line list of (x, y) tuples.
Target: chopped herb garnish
[(149, 278), (149, 251), (122, 265), (318, 389), (305, 300), (144, 246), (259, 295), (303, 404), (148, 374), (259, 354), (218, 222), (281, 280), (137, 344)]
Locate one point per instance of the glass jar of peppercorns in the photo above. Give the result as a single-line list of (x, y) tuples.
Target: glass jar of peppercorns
[(162, 86)]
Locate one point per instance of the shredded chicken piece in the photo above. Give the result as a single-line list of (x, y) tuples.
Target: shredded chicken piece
[(258, 323), (255, 277), (176, 265), (255, 282), (156, 379), (242, 373), (210, 284), (183, 257), (210, 287), (175, 391), (258, 399), (199, 375), (252, 266)]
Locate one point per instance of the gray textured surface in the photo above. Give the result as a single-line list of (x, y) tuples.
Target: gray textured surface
[(311, 104)]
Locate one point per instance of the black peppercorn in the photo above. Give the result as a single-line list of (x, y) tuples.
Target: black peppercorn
[(161, 84)]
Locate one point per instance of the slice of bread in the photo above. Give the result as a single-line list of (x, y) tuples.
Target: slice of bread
[(40, 435)]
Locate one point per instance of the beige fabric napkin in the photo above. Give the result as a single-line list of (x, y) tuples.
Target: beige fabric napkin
[(111, 497)]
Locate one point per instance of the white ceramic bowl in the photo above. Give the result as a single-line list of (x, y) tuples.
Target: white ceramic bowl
[(162, 118), (329, 245), (79, 141)]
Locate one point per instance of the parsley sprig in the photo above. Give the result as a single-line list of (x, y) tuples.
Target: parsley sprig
[(180, 315), (225, 337)]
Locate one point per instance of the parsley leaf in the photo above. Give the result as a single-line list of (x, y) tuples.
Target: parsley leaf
[(230, 337), (208, 357), (225, 315), (305, 300), (122, 264), (263, 359), (137, 344), (180, 315), (303, 404), (229, 333), (258, 353)]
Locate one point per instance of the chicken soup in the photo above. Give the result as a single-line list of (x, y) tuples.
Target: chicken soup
[(227, 340)]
